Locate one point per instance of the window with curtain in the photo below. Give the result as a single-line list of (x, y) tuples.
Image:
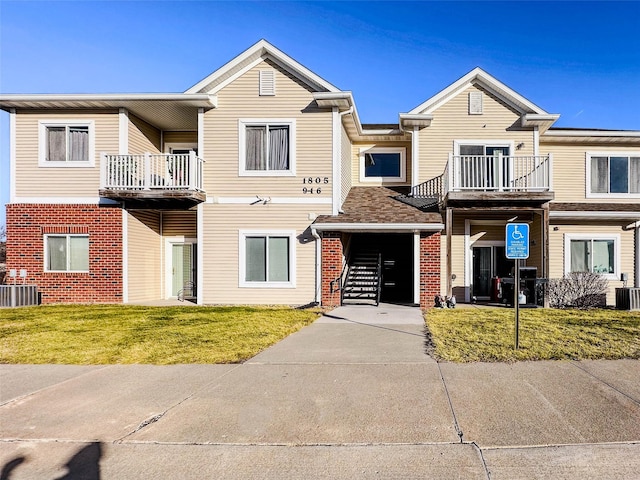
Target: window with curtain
[(67, 253), (615, 174), (267, 259), (267, 148), (596, 255), (67, 143)]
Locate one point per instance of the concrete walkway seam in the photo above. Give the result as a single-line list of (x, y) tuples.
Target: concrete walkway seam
[(578, 366), (453, 413)]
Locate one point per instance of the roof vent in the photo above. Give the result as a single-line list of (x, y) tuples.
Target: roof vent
[(267, 83), (475, 103)]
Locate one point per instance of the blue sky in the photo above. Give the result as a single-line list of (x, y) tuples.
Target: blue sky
[(578, 59)]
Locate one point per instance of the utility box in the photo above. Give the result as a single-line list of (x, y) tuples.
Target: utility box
[(628, 298)]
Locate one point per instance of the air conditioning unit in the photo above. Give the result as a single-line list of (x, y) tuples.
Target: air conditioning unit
[(628, 298)]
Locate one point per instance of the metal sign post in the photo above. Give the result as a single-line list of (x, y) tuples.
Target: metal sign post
[(517, 248)]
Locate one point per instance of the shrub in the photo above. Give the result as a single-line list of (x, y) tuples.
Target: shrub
[(578, 290)]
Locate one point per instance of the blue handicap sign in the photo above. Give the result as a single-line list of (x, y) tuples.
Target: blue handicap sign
[(517, 241)]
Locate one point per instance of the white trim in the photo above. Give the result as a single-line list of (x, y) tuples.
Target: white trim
[(468, 260), (592, 214), (415, 156), (617, 246), (402, 151), (168, 260), (12, 156), (125, 256), (381, 227), (65, 200), (200, 254), (42, 143), (201, 132), (416, 267), (45, 236), (242, 124), (486, 143), (536, 142), (558, 132), (273, 200), (123, 131), (261, 51), (243, 234), (336, 183), (477, 75), (588, 156)]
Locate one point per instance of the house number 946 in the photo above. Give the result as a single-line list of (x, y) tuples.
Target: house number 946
[(314, 181)]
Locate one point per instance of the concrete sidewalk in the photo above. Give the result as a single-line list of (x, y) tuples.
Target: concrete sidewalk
[(352, 396)]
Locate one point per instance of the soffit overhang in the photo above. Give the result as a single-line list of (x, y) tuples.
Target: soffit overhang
[(592, 137), (166, 111)]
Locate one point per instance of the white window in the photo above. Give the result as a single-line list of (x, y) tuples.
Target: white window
[(267, 259), (66, 253), (267, 147), (592, 253), (66, 143), (386, 164), (612, 174)]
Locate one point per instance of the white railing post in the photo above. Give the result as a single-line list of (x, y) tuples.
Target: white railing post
[(147, 170), (550, 172), (103, 170), (452, 172), (192, 182), (500, 183)]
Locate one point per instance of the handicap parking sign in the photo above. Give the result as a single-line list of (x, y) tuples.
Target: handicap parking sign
[(517, 241)]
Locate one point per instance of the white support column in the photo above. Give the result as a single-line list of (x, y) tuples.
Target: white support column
[(416, 267), (125, 256), (12, 155), (123, 131), (415, 157), (200, 216), (336, 161), (468, 261)]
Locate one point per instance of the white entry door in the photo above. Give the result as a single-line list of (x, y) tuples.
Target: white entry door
[(181, 270)]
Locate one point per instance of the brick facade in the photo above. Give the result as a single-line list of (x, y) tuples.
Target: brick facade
[(331, 267), (429, 268), (28, 223)]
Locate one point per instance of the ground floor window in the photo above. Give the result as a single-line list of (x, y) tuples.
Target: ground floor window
[(66, 253), (596, 254), (267, 259)]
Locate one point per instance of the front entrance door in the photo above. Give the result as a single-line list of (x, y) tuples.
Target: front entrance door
[(488, 262), (183, 270)]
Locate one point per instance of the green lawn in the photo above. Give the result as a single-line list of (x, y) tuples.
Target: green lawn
[(108, 334), (487, 335)]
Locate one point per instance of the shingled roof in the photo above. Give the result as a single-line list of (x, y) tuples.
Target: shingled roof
[(379, 205)]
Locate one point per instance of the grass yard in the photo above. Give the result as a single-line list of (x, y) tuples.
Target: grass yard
[(487, 334), (109, 334)]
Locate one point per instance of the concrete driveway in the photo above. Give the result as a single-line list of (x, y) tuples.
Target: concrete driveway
[(355, 395)]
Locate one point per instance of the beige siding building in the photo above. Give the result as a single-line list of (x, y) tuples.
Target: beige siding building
[(261, 185)]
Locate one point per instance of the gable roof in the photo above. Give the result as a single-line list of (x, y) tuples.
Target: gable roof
[(531, 115), (251, 57)]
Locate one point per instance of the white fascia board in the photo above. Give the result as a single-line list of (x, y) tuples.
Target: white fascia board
[(104, 100), (592, 133), (261, 50), (598, 215), (379, 227), (488, 82)]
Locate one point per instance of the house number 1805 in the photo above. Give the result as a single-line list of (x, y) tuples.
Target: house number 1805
[(314, 181)]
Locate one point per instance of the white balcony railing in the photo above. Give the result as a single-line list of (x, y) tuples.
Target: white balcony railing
[(498, 173), (151, 171)]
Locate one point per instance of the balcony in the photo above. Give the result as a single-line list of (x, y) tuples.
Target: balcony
[(500, 180), (153, 180)]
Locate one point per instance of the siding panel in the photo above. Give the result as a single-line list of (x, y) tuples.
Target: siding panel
[(144, 256)]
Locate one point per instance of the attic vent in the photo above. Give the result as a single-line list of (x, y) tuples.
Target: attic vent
[(475, 103), (267, 82)]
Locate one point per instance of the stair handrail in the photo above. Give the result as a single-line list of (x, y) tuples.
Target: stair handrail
[(379, 279)]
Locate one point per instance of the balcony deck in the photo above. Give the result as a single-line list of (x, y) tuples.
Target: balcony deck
[(491, 181), (153, 180)]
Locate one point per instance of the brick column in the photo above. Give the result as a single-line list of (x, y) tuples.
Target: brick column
[(429, 268), (331, 267)]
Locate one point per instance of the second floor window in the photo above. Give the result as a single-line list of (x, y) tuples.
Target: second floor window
[(66, 144), (614, 174), (267, 147), (382, 164)]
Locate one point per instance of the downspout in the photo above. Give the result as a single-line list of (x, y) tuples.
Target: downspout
[(318, 286)]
